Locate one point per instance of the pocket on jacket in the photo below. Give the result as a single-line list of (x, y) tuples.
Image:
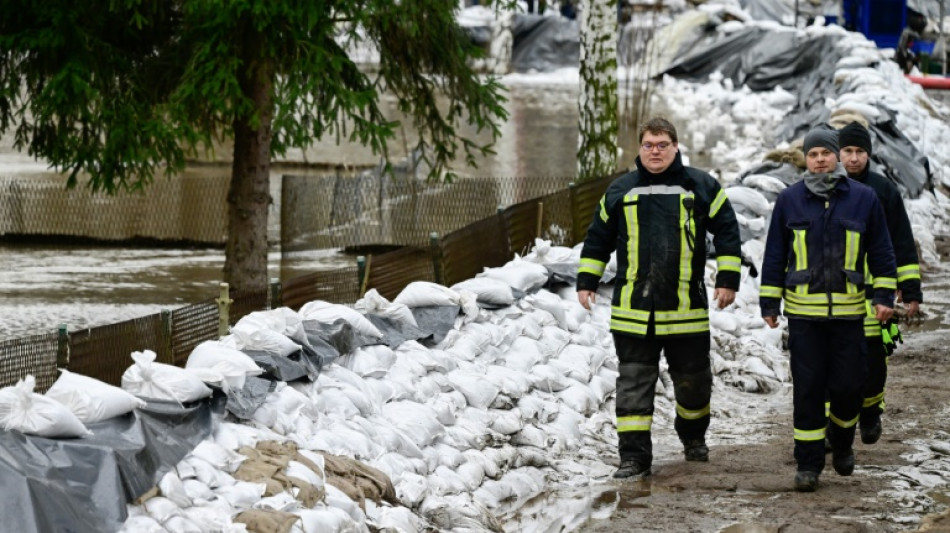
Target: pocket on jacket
[(853, 276), (797, 277), (857, 226)]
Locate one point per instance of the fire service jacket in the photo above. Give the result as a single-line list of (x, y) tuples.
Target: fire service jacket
[(657, 223), (816, 250)]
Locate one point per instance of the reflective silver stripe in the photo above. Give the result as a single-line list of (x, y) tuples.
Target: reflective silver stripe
[(907, 272), (770, 291), (717, 203), (657, 189), (633, 246), (810, 435), (729, 263), (592, 266), (686, 267), (634, 423)]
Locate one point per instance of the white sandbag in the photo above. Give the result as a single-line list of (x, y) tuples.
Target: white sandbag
[(172, 488), (524, 354), (545, 252), (417, 421), (91, 400), (519, 274), (148, 379), (374, 303), (551, 303), (478, 391), (372, 361), (262, 340), (749, 198), (426, 293), (23, 410), (327, 313), (142, 524), (233, 364), (487, 290), (324, 519)]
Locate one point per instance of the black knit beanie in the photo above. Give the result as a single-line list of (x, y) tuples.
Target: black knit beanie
[(855, 134)]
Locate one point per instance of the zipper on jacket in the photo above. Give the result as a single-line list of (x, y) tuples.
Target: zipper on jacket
[(826, 234)]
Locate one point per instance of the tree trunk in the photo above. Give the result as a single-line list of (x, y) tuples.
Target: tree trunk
[(245, 263), (597, 104)]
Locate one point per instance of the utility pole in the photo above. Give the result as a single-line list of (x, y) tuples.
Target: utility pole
[(796, 14)]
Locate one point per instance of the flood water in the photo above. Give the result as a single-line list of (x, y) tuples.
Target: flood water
[(44, 285)]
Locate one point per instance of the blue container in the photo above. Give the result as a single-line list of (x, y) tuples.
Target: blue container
[(882, 21)]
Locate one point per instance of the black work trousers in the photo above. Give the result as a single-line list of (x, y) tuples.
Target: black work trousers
[(827, 356), (877, 378), (688, 359)]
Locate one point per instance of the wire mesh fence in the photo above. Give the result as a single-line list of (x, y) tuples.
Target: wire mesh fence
[(192, 210), (561, 216)]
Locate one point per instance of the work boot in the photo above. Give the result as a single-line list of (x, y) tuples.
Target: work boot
[(871, 430), (806, 481), (843, 461), (696, 450), (631, 469)]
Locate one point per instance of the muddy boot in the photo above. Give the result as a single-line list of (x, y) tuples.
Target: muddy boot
[(696, 450), (806, 481), (843, 461), (871, 429), (631, 469)]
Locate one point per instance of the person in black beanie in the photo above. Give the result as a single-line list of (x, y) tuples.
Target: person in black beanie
[(823, 231), (855, 142)]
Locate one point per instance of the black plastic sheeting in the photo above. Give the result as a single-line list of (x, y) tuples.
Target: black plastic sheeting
[(83, 485), (804, 65), (543, 44)]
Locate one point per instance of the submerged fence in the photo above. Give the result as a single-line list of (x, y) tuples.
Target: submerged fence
[(446, 257)]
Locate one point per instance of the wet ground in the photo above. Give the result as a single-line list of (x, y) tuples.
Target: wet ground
[(748, 488)]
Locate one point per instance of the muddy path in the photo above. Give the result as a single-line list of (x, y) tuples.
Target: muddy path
[(748, 488)]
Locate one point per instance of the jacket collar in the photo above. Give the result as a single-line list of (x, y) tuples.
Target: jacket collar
[(675, 170)]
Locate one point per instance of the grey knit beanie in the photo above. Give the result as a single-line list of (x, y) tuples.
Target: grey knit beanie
[(823, 137)]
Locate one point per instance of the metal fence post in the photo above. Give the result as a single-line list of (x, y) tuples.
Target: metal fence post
[(275, 293), (572, 194), (62, 351), (168, 338), (361, 273), (436, 252), (540, 220), (224, 302)]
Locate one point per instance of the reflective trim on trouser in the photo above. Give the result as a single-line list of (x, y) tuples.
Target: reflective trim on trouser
[(688, 359), (634, 423), (873, 391), (827, 357)]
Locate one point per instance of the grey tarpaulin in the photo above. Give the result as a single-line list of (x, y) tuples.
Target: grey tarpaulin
[(340, 335), (543, 44), (83, 485), (435, 321), (243, 402), (805, 66), (395, 333)]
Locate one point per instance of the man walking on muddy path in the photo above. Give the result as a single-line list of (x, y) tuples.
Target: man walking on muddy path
[(855, 142), (823, 231), (656, 218)]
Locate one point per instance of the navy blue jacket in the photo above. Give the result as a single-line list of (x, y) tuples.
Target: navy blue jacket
[(816, 250)]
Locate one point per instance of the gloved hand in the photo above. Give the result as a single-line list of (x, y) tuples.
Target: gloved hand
[(891, 335)]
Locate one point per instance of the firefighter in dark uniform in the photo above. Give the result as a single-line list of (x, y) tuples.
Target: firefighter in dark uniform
[(824, 229), (656, 218), (855, 143)]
